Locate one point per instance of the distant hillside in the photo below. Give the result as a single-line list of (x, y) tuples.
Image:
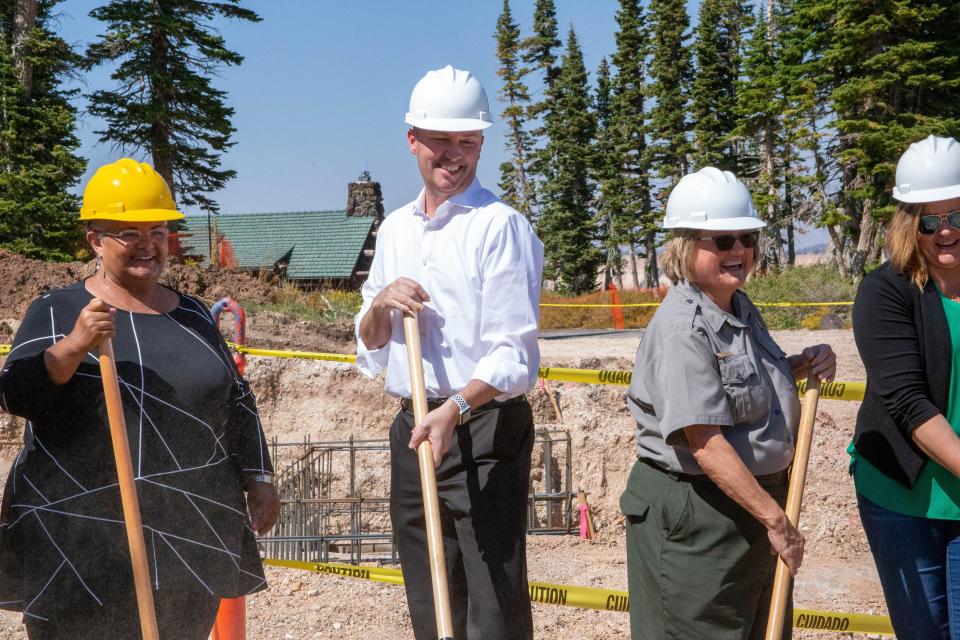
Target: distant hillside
[(813, 248)]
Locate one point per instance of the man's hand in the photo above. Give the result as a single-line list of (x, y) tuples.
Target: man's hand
[(787, 542), (263, 505), (437, 427), (403, 294)]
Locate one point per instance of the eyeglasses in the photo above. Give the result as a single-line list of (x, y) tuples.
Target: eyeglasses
[(726, 241), (157, 234), (930, 224)]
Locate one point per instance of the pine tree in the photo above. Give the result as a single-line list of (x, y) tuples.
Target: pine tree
[(889, 73), (166, 52), (759, 106), (713, 96), (515, 184), (38, 161), (629, 189), (670, 70), (904, 85), (605, 172), (565, 223), (539, 49)]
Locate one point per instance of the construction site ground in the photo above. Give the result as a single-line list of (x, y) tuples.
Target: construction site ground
[(301, 399)]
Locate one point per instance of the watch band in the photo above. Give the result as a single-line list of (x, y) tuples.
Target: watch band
[(264, 478), (463, 406)]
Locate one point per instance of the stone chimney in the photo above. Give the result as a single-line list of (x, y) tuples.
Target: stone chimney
[(364, 198)]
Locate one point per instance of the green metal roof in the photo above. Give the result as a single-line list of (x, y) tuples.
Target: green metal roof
[(320, 244)]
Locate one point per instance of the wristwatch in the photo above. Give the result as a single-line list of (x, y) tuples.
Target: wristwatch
[(464, 408), (265, 478)]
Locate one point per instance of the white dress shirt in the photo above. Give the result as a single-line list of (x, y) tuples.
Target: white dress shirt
[(480, 262)]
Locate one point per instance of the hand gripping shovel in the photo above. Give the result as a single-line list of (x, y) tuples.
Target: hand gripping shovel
[(428, 483), (128, 492), (798, 476)]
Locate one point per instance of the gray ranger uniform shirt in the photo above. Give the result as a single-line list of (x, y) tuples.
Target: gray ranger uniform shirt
[(698, 364)]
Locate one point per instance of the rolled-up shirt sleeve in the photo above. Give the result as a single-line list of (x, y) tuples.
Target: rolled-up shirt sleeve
[(370, 362), (511, 269), (688, 383)]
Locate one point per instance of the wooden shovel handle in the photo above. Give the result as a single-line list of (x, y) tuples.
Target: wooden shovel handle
[(128, 492), (428, 482), (798, 477)]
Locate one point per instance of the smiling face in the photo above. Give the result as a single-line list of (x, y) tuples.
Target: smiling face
[(720, 273), (941, 250), (133, 264), (447, 161)]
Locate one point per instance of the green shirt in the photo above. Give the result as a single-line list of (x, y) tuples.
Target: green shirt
[(936, 493)]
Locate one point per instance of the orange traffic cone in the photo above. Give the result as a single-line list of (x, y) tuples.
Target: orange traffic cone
[(231, 623)]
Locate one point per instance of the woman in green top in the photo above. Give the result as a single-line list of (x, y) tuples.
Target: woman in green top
[(905, 457)]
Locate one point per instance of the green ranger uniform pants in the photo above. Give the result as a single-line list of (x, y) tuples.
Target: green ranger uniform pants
[(699, 566)]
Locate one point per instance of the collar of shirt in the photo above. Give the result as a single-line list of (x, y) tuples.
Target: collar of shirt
[(467, 199), (713, 315)]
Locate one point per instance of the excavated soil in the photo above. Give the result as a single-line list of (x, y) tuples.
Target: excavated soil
[(321, 401)]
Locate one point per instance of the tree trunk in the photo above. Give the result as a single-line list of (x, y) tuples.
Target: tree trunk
[(866, 244), (651, 272), (633, 265), (24, 19), (837, 249)]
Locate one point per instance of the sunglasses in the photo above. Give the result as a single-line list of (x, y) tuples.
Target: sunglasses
[(726, 241), (930, 224)]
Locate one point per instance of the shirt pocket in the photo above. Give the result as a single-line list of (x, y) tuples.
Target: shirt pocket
[(747, 392)]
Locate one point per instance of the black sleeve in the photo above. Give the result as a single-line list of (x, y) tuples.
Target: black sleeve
[(245, 439), (889, 345), (26, 389)]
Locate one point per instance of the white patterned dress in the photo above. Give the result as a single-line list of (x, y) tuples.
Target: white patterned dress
[(193, 429)]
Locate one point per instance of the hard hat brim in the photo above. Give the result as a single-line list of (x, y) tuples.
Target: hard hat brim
[(453, 125), (927, 195), (745, 223), (142, 215)]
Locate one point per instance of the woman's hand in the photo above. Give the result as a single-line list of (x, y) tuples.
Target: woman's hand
[(818, 360), (95, 324), (263, 505), (787, 542)]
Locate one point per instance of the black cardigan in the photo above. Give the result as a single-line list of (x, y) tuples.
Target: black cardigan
[(904, 341)]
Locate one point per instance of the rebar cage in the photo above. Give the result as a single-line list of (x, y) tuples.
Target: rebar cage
[(334, 498)]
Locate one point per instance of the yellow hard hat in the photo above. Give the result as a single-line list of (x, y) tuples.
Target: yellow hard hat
[(128, 191)]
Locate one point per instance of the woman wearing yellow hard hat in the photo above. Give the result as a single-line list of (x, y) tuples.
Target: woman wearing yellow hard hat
[(195, 439)]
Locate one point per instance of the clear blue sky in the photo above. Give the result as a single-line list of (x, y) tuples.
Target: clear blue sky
[(323, 90)]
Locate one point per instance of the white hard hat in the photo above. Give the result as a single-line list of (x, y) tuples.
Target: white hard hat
[(711, 199), (449, 99), (928, 171)]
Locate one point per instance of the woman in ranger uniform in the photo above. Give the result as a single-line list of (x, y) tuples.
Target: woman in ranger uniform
[(716, 405), (195, 440)]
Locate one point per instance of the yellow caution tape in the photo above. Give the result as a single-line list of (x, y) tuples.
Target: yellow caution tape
[(599, 599), (303, 355), (828, 390), (657, 304)]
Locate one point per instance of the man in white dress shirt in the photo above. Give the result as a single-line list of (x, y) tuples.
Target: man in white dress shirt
[(470, 266)]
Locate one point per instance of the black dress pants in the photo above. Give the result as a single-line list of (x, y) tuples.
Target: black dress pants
[(482, 483)]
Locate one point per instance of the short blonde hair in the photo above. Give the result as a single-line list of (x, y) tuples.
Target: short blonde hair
[(902, 246), (677, 257)]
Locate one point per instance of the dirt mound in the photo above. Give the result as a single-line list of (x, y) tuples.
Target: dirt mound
[(23, 279)]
